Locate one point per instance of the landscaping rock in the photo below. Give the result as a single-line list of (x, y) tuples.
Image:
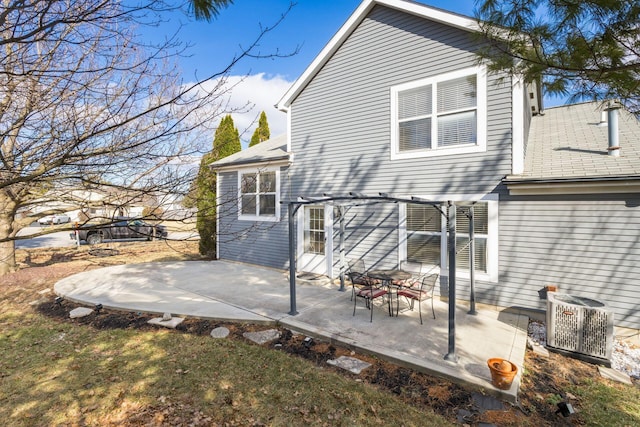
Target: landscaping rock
[(220, 332), (172, 324), (39, 301), (614, 375), (537, 348), (350, 364), (262, 337), (80, 312)]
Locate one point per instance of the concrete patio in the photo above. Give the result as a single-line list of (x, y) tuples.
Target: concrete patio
[(235, 292)]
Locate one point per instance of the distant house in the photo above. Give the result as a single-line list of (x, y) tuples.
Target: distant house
[(397, 103), (101, 203)]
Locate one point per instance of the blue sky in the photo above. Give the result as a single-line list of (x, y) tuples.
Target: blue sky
[(261, 82), (309, 25)]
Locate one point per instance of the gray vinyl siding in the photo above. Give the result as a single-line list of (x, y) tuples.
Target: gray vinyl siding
[(341, 128), (341, 121), (254, 242), (371, 234), (586, 248)]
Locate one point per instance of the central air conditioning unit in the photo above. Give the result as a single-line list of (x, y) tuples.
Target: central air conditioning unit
[(580, 327)]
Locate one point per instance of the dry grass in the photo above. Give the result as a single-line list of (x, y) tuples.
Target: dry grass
[(114, 369), (55, 371)]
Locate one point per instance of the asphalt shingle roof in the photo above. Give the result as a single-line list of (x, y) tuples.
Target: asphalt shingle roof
[(266, 151), (567, 143)]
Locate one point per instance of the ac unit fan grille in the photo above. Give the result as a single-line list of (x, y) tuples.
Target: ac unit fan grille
[(579, 328)]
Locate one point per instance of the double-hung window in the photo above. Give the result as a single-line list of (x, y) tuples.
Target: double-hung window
[(424, 233), (480, 236), (439, 115), (423, 237), (259, 193)]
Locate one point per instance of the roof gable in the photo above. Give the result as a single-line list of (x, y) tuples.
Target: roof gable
[(272, 150), (427, 12)]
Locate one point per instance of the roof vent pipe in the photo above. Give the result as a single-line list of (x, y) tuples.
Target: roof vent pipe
[(614, 146), (603, 119)]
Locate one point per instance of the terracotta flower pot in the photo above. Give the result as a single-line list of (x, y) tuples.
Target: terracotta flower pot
[(502, 372)]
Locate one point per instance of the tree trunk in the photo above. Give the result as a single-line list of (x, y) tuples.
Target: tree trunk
[(7, 249)]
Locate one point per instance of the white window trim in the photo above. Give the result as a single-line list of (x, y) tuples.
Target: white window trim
[(491, 275), (276, 217), (481, 108), (518, 94), (328, 233)]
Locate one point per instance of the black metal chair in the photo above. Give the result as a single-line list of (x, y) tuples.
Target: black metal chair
[(423, 293), (363, 286), (358, 276), (415, 269)]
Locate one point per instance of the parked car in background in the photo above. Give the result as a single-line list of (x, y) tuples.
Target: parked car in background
[(54, 219), (122, 229)]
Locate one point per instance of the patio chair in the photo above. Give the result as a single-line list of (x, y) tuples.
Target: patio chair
[(369, 294), (423, 293), (363, 286), (415, 268), (358, 276)]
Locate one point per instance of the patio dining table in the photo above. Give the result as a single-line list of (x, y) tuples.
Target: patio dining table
[(388, 277)]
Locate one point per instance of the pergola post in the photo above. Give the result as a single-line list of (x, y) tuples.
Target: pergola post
[(292, 208), (472, 263), (451, 216), (341, 247)]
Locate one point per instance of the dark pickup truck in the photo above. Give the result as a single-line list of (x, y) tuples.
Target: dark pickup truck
[(122, 229)]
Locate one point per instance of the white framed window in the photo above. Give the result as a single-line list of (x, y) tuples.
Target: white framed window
[(314, 240), (440, 115), (258, 194), (423, 237)]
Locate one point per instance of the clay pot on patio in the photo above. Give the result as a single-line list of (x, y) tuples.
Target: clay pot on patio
[(502, 372)]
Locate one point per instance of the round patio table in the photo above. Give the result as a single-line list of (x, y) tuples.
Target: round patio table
[(387, 277)]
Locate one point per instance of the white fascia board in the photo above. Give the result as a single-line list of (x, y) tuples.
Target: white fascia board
[(517, 133), (438, 15), (325, 54), (354, 20), (253, 165), (565, 188)]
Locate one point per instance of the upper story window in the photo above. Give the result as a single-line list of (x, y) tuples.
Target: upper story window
[(259, 194), (440, 115)]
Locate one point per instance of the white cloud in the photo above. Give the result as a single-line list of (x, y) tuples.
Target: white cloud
[(253, 94)]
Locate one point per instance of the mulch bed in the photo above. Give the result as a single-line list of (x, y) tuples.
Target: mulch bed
[(451, 400)]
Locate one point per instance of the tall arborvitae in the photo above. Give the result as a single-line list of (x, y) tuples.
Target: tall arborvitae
[(262, 131), (225, 143)]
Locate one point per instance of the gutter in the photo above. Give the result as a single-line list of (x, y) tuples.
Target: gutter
[(512, 180), (578, 185), (233, 165)]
